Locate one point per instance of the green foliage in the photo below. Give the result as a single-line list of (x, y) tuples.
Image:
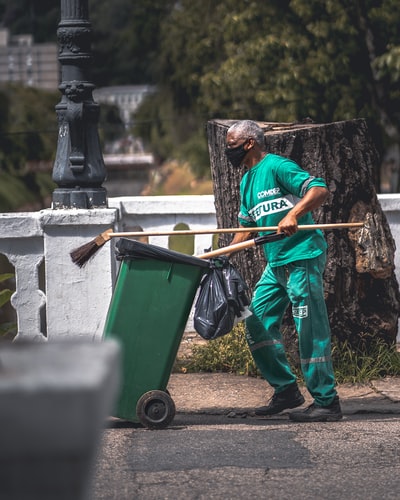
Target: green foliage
[(277, 61), (371, 359), (388, 64), (155, 123), (31, 16), (281, 60), (173, 133), (194, 151), (14, 193), (5, 294), (367, 361), (7, 328), (31, 125), (225, 354), (126, 40), (28, 137)]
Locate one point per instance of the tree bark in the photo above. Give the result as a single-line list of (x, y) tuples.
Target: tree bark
[(361, 290)]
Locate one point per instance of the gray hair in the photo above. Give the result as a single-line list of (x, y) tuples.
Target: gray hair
[(247, 129)]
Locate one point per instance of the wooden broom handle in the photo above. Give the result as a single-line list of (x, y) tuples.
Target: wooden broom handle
[(111, 234), (227, 250), (260, 240)]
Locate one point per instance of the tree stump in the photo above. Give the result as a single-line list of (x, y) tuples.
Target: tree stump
[(361, 290)]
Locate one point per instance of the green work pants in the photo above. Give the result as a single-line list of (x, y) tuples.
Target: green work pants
[(301, 284)]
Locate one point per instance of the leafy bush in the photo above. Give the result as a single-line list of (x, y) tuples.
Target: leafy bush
[(5, 295), (225, 354), (7, 328), (371, 359)]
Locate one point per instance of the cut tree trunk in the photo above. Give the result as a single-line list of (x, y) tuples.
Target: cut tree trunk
[(361, 290)]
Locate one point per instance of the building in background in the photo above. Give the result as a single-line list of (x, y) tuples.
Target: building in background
[(129, 166), (23, 61), (126, 98)]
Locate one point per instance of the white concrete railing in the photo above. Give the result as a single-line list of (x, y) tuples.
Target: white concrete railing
[(56, 299)]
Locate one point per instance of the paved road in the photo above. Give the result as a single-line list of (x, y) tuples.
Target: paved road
[(212, 456), (215, 449)]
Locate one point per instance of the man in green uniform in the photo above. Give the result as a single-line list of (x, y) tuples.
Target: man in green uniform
[(275, 191)]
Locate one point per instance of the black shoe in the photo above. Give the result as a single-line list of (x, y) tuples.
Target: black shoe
[(316, 413), (289, 398)]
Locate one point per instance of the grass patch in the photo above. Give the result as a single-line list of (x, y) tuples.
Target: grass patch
[(367, 361), (8, 329), (370, 360), (225, 354)]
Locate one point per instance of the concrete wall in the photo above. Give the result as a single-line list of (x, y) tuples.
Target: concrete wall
[(391, 206)]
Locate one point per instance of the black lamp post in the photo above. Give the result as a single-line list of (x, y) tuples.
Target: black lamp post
[(79, 169)]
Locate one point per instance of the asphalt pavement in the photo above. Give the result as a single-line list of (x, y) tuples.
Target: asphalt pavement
[(216, 448)]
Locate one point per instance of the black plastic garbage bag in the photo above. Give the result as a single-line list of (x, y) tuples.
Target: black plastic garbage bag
[(236, 290), (222, 299)]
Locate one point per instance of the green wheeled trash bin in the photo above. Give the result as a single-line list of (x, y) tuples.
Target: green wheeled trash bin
[(149, 309)]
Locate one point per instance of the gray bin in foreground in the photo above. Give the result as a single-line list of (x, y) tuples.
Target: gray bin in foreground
[(54, 399)]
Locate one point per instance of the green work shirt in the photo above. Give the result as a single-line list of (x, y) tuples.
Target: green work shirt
[(268, 191)]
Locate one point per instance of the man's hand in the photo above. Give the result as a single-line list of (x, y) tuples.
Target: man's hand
[(314, 198), (288, 224)]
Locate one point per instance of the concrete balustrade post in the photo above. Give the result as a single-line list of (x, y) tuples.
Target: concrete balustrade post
[(77, 298)]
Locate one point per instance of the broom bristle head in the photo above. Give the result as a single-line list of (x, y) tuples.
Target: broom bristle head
[(80, 256), (84, 253)]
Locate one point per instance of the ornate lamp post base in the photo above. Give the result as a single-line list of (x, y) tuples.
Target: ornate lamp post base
[(79, 198)]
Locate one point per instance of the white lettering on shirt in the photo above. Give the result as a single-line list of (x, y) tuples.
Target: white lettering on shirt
[(270, 207), (268, 192)]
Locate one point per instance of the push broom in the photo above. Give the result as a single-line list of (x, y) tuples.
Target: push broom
[(81, 255)]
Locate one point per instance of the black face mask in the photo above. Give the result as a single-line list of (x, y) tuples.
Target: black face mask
[(236, 155)]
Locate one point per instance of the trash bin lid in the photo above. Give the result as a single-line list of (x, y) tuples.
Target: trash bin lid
[(134, 250)]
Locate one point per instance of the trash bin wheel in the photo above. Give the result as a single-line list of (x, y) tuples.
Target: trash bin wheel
[(155, 409)]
